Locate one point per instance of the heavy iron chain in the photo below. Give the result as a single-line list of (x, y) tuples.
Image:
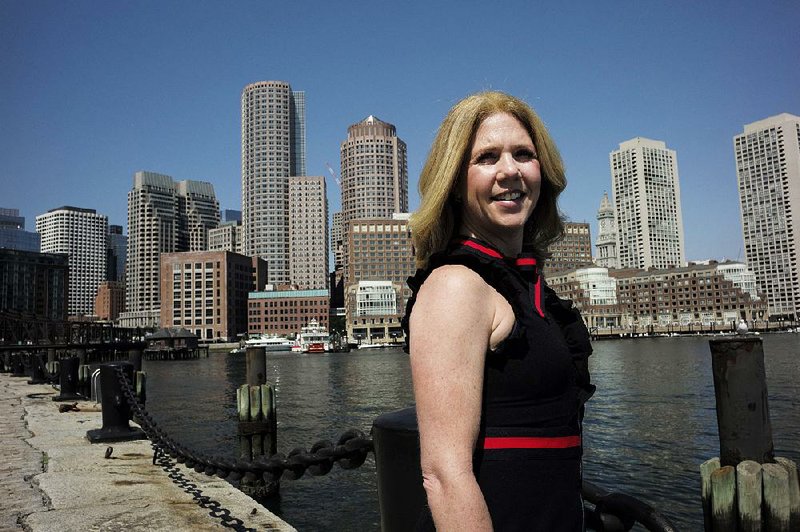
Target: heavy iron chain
[(216, 510), (349, 452)]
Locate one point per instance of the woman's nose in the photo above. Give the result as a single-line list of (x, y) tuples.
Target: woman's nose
[(507, 166)]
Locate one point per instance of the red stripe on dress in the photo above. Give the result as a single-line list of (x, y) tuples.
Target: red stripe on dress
[(531, 442), (528, 261), (482, 249), (537, 295)]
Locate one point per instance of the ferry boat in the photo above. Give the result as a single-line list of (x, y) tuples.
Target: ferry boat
[(269, 342), (312, 339)]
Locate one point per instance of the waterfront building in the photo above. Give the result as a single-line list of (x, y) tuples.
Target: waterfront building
[(768, 175), (308, 232), (606, 234), (374, 175), (374, 171), (283, 312), (206, 292), (376, 313), (110, 300), (273, 149), (227, 237), (694, 294), (81, 234), (34, 285), (163, 217), (572, 251), (380, 249), (13, 234), (116, 254), (647, 203), (593, 291)]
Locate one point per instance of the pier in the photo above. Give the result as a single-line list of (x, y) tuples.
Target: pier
[(54, 479)]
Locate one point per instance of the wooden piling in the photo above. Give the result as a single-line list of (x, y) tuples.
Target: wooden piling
[(256, 365), (706, 468), (748, 495), (740, 387), (723, 502), (776, 498), (794, 492)]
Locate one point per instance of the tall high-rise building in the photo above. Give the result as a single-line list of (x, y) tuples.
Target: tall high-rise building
[(768, 173), (163, 217), (117, 253), (572, 251), (606, 235), (337, 243), (273, 149), (13, 234), (374, 171), (80, 234), (647, 201), (308, 232)]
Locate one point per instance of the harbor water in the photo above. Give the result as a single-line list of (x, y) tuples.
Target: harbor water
[(650, 425)]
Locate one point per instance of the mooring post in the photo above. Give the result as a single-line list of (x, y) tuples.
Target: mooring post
[(740, 388), (68, 378), (116, 410), (746, 484), (256, 408), (256, 364)]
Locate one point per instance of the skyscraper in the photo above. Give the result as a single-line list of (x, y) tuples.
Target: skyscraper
[(647, 200), (374, 171), (571, 251), (13, 234), (163, 217), (308, 232), (81, 234), (273, 148), (768, 173), (606, 235), (117, 252)]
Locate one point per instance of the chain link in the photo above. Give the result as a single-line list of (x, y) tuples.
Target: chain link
[(349, 452)]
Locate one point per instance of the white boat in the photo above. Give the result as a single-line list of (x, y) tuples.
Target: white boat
[(313, 339), (269, 342)]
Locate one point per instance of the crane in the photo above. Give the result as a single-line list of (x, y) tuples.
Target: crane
[(338, 182)]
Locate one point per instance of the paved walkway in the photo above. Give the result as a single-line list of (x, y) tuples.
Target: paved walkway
[(52, 478), (19, 494)]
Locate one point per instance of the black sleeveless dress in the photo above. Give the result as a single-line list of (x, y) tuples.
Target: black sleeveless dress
[(528, 454)]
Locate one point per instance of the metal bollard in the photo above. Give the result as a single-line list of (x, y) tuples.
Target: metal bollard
[(68, 377), (116, 410), (401, 496), (18, 365), (37, 370)]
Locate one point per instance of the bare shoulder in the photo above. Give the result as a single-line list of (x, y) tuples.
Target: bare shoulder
[(453, 299), (455, 283)]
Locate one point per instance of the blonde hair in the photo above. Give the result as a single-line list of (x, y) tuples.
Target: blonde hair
[(434, 224)]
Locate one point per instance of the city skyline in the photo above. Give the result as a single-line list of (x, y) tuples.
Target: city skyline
[(99, 92)]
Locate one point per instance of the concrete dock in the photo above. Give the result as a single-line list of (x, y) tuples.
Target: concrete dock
[(52, 478)]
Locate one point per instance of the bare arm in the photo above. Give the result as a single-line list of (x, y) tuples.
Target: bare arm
[(454, 321)]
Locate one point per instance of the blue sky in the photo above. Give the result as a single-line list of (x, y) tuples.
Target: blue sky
[(93, 91)]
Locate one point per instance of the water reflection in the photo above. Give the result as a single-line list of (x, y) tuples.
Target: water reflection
[(648, 428)]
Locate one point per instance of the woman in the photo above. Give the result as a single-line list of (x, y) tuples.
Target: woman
[(498, 362)]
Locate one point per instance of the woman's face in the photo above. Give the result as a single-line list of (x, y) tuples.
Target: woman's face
[(502, 182)]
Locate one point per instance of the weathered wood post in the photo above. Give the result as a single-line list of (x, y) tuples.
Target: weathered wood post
[(257, 421), (744, 489)]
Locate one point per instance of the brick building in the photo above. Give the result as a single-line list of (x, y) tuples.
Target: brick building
[(205, 292), (284, 312)]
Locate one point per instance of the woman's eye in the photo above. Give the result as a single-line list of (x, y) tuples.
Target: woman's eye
[(486, 158), (525, 155)]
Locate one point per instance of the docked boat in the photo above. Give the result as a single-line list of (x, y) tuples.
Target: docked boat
[(313, 339), (269, 342)]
